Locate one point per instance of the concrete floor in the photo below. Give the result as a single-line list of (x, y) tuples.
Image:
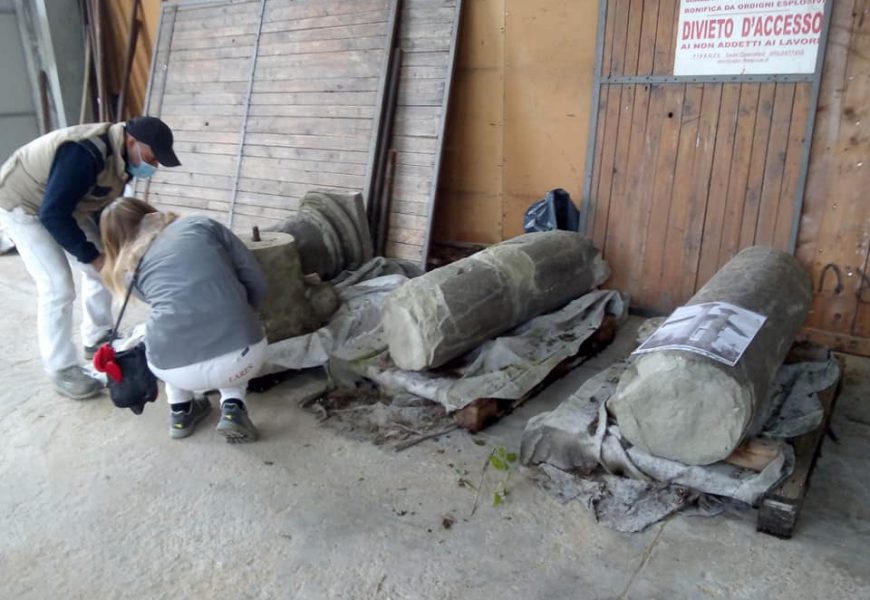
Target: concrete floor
[(99, 503)]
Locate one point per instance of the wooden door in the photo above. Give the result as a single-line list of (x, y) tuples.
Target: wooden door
[(687, 171), (834, 240)]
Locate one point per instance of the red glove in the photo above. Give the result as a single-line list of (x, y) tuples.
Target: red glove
[(104, 362)]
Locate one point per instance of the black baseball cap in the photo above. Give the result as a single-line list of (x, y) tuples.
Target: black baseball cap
[(158, 135)]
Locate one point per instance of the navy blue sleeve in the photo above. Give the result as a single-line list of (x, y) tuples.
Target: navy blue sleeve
[(73, 173)]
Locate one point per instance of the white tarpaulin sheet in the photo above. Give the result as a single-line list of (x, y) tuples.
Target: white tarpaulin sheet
[(352, 346), (580, 437)]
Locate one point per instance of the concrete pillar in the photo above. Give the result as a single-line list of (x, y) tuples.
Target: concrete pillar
[(447, 312), (694, 409)]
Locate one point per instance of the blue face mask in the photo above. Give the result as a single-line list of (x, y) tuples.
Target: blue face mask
[(143, 170)]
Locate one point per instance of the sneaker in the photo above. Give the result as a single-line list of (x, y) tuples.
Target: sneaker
[(235, 424), (76, 383), (182, 424), (91, 350)]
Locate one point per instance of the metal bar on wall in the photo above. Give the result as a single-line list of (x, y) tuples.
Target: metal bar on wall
[(380, 220), (808, 134), (129, 55), (442, 130), (659, 79), (49, 61), (155, 50), (195, 4), (377, 126), (234, 192), (587, 205)]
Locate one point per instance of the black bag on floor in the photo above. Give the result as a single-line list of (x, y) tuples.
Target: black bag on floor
[(554, 211), (131, 383), (138, 384)]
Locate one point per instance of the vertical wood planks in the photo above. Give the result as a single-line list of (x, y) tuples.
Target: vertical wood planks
[(726, 180), (315, 69), (618, 13), (757, 162), (705, 144), (671, 274), (717, 195), (665, 37), (648, 35), (729, 241), (792, 166), (653, 254), (686, 174), (427, 32), (777, 146), (834, 237)]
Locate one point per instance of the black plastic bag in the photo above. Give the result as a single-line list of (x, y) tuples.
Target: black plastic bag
[(138, 384), (555, 211)]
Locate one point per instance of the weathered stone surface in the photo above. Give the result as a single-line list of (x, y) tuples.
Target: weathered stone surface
[(443, 314), (310, 245), (690, 408), (286, 311), (331, 232), (324, 300)]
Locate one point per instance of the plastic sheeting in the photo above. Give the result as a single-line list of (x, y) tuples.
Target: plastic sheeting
[(6, 243), (582, 454), (352, 346)]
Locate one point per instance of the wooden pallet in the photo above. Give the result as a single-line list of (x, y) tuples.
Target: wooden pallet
[(779, 510), (483, 412)]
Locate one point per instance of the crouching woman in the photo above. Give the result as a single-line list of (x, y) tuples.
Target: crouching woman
[(203, 286)]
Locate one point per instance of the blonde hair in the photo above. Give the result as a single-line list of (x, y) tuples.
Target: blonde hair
[(127, 229)]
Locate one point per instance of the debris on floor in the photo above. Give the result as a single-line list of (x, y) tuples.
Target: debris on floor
[(472, 386), (365, 414), (579, 452)]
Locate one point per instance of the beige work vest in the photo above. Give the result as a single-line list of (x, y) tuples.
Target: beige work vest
[(24, 176)]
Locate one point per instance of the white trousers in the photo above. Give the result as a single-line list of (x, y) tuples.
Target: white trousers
[(228, 373), (50, 267)]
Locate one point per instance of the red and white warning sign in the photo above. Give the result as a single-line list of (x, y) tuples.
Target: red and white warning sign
[(728, 37)]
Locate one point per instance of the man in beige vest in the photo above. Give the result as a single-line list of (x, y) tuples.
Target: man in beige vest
[(51, 193)]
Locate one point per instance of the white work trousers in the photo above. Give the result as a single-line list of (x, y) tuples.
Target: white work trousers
[(49, 265), (228, 373)]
